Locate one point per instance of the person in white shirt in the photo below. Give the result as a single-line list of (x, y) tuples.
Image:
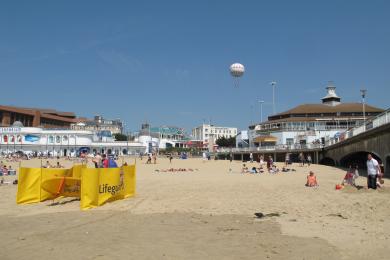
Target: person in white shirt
[(373, 172)]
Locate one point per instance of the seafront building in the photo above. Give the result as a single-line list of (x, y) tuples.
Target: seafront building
[(162, 137), (208, 133), (311, 123), (61, 142), (36, 117), (100, 124)]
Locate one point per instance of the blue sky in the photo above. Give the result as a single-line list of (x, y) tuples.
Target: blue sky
[(166, 62)]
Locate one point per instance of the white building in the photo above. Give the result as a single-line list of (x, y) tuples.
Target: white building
[(163, 137), (61, 142), (210, 133), (310, 123)]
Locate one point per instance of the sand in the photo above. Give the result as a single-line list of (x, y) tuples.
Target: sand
[(205, 214)]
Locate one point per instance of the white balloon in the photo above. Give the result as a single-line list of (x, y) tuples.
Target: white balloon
[(237, 70)]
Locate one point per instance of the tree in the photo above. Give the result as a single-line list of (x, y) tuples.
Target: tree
[(120, 137), (226, 142)]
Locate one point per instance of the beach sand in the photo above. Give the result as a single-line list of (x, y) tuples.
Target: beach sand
[(205, 214)]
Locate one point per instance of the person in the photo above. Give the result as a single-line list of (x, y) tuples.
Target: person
[(170, 158), (5, 170), (309, 160), (97, 160), (104, 162), (251, 157), (149, 161), (48, 165), (261, 161), (254, 170), (154, 158), (270, 162), (109, 162), (59, 165), (230, 156), (301, 159), (349, 177), (287, 159), (311, 180), (244, 169), (204, 156), (379, 181), (373, 172), (273, 169)]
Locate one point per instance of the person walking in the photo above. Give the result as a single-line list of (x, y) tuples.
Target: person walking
[(301, 158), (287, 159), (373, 172), (251, 157), (170, 158), (309, 160), (154, 158)]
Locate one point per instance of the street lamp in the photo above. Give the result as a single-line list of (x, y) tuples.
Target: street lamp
[(363, 92), (273, 84), (261, 102)]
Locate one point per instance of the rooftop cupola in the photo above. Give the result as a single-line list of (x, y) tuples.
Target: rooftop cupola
[(331, 98)]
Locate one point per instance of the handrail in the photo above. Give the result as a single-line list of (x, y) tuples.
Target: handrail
[(377, 121), (271, 148)]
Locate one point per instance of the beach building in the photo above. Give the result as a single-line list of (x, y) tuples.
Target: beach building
[(36, 117), (208, 133), (311, 123), (61, 142), (162, 137), (99, 124)]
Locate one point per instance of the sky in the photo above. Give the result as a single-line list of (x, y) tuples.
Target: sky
[(167, 62)]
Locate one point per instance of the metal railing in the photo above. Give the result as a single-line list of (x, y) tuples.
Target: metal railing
[(377, 121), (271, 148)]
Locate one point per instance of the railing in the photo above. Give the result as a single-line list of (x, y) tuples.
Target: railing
[(271, 148), (379, 120)]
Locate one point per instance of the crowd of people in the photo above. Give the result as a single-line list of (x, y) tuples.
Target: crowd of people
[(374, 171), (264, 166), (104, 161)]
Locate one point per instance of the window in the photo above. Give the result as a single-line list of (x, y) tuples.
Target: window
[(289, 141)]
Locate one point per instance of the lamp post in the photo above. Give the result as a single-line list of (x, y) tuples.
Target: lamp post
[(363, 92), (261, 102), (273, 84)]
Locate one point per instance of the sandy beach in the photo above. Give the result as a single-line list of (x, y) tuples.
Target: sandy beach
[(205, 214)]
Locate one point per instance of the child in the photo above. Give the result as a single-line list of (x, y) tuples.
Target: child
[(311, 180)]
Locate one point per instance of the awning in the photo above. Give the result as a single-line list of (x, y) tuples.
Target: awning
[(265, 139)]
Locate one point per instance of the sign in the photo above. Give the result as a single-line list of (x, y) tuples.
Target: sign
[(10, 129)]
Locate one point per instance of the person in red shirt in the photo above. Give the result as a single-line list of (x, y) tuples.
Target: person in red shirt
[(105, 162)]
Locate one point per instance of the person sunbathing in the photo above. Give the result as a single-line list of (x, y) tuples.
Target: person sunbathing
[(311, 180), (273, 169), (284, 169), (244, 169)]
